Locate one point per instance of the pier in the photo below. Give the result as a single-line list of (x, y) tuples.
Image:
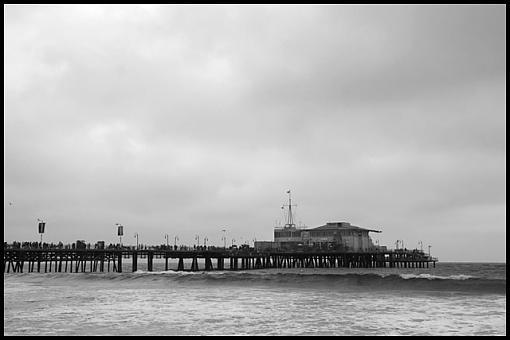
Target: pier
[(108, 260)]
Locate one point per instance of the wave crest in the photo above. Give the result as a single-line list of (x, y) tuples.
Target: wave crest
[(334, 281)]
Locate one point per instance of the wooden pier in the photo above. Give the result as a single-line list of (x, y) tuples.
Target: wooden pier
[(88, 260)]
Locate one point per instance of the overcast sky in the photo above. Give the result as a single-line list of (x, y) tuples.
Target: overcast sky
[(186, 120)]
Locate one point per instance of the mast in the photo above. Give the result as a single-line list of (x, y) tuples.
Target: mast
[(290, 219)]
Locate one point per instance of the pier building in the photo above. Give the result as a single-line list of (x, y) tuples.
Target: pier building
[(340, 236), (332, 235)]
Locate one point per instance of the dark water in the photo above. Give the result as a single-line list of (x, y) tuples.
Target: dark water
[(451, 299)]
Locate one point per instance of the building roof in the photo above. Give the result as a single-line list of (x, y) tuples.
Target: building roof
[(329, 226), (345, 226)]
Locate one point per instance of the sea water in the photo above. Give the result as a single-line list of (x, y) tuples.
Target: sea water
[(451, 299)]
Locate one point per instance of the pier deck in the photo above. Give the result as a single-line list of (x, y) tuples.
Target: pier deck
[(94, 260)]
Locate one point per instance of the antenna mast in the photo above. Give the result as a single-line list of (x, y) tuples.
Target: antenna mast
[(290, 220)]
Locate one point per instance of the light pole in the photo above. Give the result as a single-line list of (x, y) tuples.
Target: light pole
[(175, 242), (166, 237), (396, 244), (136, 235), (198, 240), (120, 232), (233, 243), (429, 251), (42, 224), (224, 239), (205, 241)]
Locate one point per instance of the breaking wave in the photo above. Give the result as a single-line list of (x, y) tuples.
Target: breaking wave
[(334, 281)]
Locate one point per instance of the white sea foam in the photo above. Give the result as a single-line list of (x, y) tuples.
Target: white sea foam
[(180, 273), (432, 277)]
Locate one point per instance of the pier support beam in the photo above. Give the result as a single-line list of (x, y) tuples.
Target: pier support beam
[(150, 256), (221, 263), (194, 264), (135, 262), (119, 265), (208, 264)]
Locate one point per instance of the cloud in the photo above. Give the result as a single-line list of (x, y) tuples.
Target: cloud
[(187, 119)]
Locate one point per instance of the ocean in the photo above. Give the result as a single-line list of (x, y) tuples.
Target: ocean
[(451, 299)]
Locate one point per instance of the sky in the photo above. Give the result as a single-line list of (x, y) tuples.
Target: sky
[(188, 120)]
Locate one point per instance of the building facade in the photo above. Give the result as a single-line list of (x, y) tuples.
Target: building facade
[(340, 236)]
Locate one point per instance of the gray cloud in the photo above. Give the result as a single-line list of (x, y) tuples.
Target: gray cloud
[(189, 119)]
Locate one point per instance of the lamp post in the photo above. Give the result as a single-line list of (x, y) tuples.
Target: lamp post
[(197, 238), (41, 225), (136, 235), (175, 242), (120, 232), (166, 237), (224, 239), (205, 241)]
